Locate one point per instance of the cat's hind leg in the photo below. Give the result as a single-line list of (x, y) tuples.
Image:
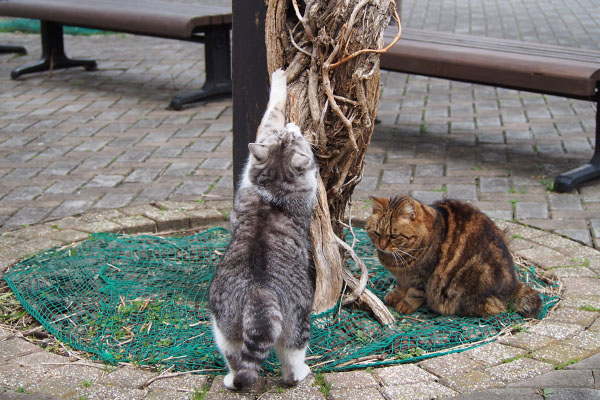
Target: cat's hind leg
[(231, 351), (293, 367)]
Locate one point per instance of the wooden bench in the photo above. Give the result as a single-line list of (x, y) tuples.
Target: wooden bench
[(567, 72), (200, 22)]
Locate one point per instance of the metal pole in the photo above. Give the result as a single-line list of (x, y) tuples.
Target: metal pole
[(250, 77)]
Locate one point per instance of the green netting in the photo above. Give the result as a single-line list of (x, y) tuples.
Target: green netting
[(143, 299)]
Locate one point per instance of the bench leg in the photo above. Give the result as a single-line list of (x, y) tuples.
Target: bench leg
[(566, 182), (6, 48), (217, 56), (53, 53)]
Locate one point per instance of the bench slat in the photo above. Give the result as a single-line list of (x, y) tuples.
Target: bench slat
[(144, 17), (512, 64)]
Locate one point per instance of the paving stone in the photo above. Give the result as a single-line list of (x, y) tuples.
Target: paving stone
[(527, 341), (564, 378), (504, 394), (403, 375), (461, 191), (573, 316), (573, 394), (530, 210), (471, 382), (65, 186), (72, 207), (560, 353), (114, 200), (193, 188), (23, 193), (419, 391), (356, 394), (555, 330), (494, 353), (493, 185), (351, 380), (126, 377), (188, 382), (27, 216), (451, 365), (520, 369), (105, 181)]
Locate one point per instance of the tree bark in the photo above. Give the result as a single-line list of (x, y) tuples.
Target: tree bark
[(330, 51)]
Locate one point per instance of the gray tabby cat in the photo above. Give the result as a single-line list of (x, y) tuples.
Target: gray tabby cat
[(262, 292)]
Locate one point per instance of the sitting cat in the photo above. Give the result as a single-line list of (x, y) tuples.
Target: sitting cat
[(449, 256), (262, 292)]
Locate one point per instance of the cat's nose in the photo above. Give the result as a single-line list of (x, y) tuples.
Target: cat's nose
[(383, 243)]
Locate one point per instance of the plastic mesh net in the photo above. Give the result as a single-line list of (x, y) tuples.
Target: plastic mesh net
[(143, 299)]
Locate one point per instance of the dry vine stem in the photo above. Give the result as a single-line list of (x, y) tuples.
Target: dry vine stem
[(330, 50)]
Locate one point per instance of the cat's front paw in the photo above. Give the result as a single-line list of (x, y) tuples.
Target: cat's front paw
[(394, 297), (298, 375), (403, 307), (228, 382), (278, 87)]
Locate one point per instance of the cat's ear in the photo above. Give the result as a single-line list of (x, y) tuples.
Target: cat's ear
[(300, 162), (259, 151), (379, 203)]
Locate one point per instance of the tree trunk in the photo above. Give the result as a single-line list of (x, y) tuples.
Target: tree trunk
[(330, 51)]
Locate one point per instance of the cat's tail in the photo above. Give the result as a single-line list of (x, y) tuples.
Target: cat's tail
[(261, 326), (526, 300)]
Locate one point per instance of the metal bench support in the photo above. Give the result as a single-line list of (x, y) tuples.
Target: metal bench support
[(7, 48), (566, 182), (217, 56), (53, 53)]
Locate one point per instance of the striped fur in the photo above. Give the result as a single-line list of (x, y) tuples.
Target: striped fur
[(449, 256), (262, 292)]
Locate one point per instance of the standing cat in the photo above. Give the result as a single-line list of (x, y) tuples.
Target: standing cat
[(262, 292), (449, 256)]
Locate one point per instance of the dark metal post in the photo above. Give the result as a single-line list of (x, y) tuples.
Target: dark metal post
[(250, 77)]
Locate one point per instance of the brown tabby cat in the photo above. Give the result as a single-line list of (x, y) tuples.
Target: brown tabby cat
[(449, 256)]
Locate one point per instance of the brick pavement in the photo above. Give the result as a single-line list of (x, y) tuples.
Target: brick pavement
[(78, 142), (526, 363)]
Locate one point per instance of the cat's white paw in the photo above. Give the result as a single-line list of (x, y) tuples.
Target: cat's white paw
[(278, 87), (301, 372), (228, 381)]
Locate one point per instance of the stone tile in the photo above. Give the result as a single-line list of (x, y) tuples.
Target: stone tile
[(565, 201), (126, 377), (527, 341), (114, 200), (573, 379), (556, 330), (419, 391), (356, 394), (461, 191), (403, 375), (143, 175), (351, 380), (529, 210), (427, 196), (105, 181), (72, 207), (586, 340), (188, 382), (520, 369), (573, 316), (560, 353), (27, 216), (494, 353), (471, 382), (451, 365)]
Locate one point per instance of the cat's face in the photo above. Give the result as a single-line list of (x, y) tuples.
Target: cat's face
[(282, 162), (399, 225)]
